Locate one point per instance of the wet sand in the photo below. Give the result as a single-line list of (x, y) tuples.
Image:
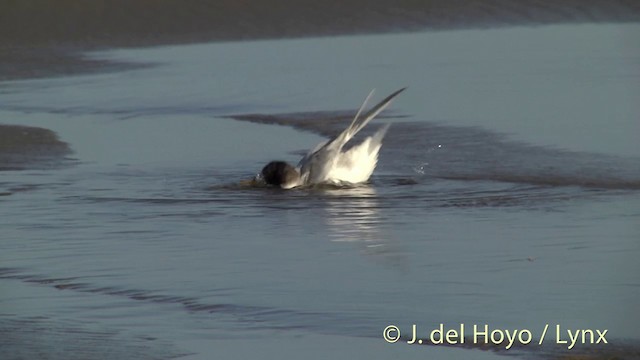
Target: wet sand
[(40, 38), (23, 147)]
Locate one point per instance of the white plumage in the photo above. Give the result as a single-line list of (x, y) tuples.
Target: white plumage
[(328, 162)]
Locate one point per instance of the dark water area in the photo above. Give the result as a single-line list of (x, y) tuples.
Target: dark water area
[(20, 334)]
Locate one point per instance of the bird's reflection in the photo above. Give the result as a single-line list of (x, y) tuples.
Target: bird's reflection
[(354, 217)]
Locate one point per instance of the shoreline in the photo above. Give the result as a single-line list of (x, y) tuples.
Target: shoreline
[(38, 39)]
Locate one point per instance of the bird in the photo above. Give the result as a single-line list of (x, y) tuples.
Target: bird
[(329, 162)]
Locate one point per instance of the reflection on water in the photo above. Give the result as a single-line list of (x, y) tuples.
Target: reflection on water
[(353, 215)]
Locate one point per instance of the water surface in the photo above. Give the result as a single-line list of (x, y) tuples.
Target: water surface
[(506, 194)]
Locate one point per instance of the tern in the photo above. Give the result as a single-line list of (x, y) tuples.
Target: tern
[(328, 162)]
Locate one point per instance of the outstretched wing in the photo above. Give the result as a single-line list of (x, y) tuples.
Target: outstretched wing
[(315, 165), (358, 124)]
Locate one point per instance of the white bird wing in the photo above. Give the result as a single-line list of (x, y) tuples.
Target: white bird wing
[(316, 165)]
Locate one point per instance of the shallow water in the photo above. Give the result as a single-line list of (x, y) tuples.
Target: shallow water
[(506, 194)]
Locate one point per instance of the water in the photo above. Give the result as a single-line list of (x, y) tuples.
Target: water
[(506, 194)]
